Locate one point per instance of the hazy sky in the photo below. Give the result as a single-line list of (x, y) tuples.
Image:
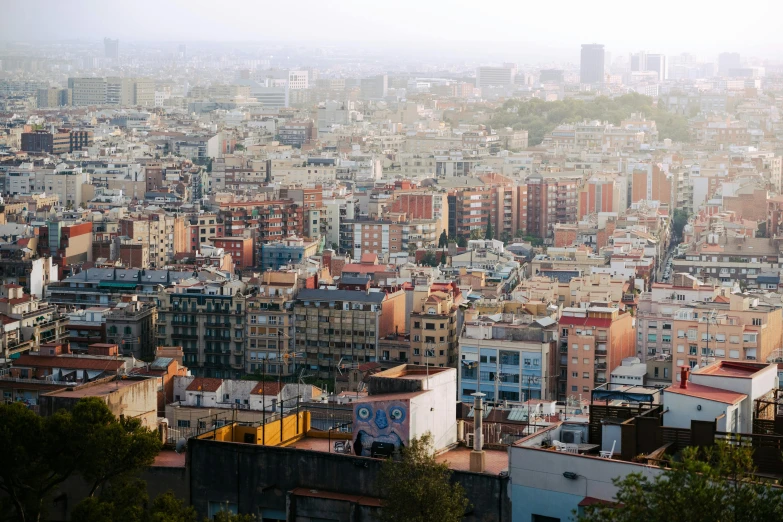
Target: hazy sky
[(669, 26)]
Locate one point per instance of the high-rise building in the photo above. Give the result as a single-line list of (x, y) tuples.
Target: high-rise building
[(591, 66), (728, 61), (375, 88), (182, 51), (495, 76), (111, 48), (639, 61), (657, 63)]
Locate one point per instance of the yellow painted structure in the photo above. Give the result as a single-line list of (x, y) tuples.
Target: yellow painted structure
[(275, 433)]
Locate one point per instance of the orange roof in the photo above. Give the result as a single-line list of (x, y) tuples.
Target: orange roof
[(364, 269), (707, 393), (205, 384), (267, 388), (369, 258)]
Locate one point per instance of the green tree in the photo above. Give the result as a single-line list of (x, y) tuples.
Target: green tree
[(42, 452), (489, 233), (476, 233), (506, 238), (429, 259), (417, 489), (462, 242), (443, 240), (713, 483), (679, 220), (168, 508), (762, 229)]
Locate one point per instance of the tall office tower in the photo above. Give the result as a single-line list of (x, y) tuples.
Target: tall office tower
[(639, 61), (592, 63), (657, 63), (495, 76), (182, 51), (111, 48), (727, 61)]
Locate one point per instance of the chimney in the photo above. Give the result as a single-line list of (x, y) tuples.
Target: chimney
[(477, 456), (684, 370)]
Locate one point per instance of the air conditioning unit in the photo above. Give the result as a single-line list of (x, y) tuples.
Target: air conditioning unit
[(469, 439), (571, 436)]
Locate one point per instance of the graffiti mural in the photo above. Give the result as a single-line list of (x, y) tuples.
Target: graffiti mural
[(382, 421)]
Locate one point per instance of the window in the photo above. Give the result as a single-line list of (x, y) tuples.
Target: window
[(587, 347), (734, 339), (749, 337), (665, 373), (757, 321), (585, 361), (574, 360), (416, 351), (575, 346), (693, 350), (416, 324), (183, 423), (575, 375), (680, 334), (585, 375), (652, 338), (721, 338)]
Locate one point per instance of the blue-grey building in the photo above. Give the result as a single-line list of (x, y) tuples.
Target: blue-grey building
[(291, 251), (507, 360)]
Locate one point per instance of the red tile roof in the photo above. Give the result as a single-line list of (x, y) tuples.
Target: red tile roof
[(267, 388), (205, 384), (707, 393), (369, 258)]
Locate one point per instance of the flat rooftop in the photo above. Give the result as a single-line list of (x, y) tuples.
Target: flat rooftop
[(97, 390), (169, 459), (731, 369), (457, 458)]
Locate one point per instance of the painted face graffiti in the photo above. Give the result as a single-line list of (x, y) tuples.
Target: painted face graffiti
[(380, 422)]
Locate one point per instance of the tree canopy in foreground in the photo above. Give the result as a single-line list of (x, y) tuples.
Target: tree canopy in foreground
[(714, 483)]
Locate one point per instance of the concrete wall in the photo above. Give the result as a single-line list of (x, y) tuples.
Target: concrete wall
[(257, 479), (538, 486), (684, 408)]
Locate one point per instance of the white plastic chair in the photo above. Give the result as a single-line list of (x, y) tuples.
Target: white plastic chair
[(572, 448), (559, 446), (607, 454)]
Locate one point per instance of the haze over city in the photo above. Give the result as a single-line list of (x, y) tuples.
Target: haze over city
[(414, 261)]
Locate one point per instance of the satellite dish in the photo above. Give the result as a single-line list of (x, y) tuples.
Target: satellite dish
[(181, 444)]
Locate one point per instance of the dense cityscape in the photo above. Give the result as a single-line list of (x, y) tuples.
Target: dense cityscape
[(279, 280)]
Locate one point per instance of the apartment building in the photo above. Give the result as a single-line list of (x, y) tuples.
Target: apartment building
[(433, 320), (131, 326), (656, 309), (204, 227), (549, 201), (289, 251), (64, 182), (208, 320), (652, 183), (579, 259), (511, 359), (386, 236), (53, 97), (240, 249), (270, 325), (341, 328), (593, 342), (734, 328), (165, 235), (495, 76), (34, 322), (263, 220), (724, 258), (88, 91)]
